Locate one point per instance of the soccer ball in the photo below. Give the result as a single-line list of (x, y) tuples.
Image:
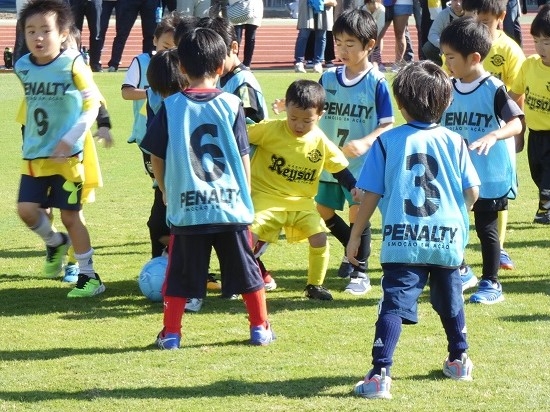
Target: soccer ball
[(152, 277)]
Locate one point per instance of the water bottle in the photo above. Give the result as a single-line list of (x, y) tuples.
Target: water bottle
[(8, 58), (85, 55), (158, 14)]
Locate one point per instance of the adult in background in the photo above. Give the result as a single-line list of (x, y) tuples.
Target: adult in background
[(249, 28), (511, 24), (198, 8), (20, 48), (92, 10), (319, 22), (398, 13), (126, 16), (107, 7)]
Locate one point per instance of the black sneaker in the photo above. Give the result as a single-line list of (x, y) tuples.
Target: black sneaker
[(542, 217), (317, 292)]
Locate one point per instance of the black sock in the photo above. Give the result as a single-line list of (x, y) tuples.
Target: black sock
[(339, 229)]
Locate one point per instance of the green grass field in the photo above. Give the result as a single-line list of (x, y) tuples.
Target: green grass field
[(97, 354)]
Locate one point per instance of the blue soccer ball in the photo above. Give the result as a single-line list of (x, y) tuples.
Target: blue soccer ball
[(151, 278)]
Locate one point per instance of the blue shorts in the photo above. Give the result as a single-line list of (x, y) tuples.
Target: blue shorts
[(50, 191), (397, 10), (333, 195), (189, 259), (403, 284)]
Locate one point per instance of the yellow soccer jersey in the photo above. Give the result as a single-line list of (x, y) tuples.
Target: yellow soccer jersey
[(534, 81), (285, 169), (504, 59)]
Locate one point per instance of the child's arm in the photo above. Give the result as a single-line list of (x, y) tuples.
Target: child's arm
[(356, 148), (130, 89), (158, 170), (103, 132), (520, 138), (246, 164), (509, 112), (365, 212), (470, 196), (84, 82)]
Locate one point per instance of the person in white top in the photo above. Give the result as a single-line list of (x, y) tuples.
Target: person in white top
[(249, 28)]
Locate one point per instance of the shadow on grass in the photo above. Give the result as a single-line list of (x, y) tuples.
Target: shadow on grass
[(292, 388)]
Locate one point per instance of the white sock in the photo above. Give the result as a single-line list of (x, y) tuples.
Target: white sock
[(86, 263), (44, 229)]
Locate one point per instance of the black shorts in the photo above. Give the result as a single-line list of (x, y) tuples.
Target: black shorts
[(50, 191), (189, 259)]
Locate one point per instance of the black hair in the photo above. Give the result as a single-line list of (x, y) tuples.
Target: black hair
[(357, 23), (222, 26), (466, 35), (75, 33), (163, 73), (201, 52), (541, 23), (185, 24), (306, 94), (168, 24), (493, 7), (424, 90), (63, 14)]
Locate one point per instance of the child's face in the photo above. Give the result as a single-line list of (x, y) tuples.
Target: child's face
[(456, 6), (542, 47), (43, 37), (350, 49), (458, 66), (301, 121), (165, 42), (491, 21)]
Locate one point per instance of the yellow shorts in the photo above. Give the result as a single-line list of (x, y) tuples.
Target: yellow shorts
[(298, 225)]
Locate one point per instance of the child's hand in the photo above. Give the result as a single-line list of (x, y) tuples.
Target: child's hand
[(279, 106), (357, 195), (520, 141), (356, 148), (351, 250), (104, 137), (484, 144), (61, 152)]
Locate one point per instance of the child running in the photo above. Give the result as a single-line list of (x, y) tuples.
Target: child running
[(62, 103), (423, 181)]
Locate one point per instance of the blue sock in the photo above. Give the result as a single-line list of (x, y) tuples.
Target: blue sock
[(388, 330), (455, 329)]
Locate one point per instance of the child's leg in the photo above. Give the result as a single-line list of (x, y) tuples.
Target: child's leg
[(158, 230), (502, 222), (487, 232), (455, 330), (80, 239), (36, 220), (363, 253), (337, 226), (318, 259), (386, 336)]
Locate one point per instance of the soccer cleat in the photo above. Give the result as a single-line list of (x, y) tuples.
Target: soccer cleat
[(87, 287), (261, 336), (317, 68), (505, 261), (168, 341), (469, 280), (377, 387), (212, 283), (317, 292), (345, 269), (542, 217), (71, 273), (54, 257), (459, 369), (269, 282), (299, 68), (359, 284), (488, 293), (193, 305)]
